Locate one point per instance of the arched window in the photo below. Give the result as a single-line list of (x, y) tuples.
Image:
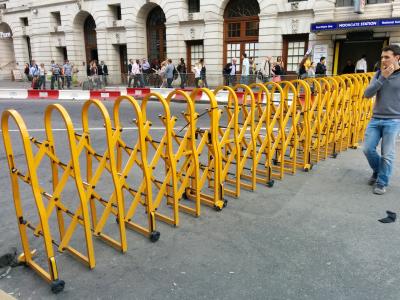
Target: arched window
[(241, 29), (156, 35)]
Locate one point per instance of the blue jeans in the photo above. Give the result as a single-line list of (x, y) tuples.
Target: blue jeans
[(387, 130)]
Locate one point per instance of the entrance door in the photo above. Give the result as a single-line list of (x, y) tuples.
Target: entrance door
[(90, 39), (353, 50), (123, 58), (156, 35)]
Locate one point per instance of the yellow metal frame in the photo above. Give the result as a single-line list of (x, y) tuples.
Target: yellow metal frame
[(277, 129)]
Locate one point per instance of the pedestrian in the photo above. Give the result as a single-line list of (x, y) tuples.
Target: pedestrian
[(276, 72), (146, 70), (155, 69), (349, 67), (94, 74), (311, 70), (161, 74), (384, 126), (169, 73), (130, 74), (42, 77), (62, 77), (103, 72), (245, 69), (302, 69), (34, 72), (26, 72), (136, 74), (361, 65), (377, 66), (182, 71), (197, 75), (75, 71), (320, 71), (55, 75), (266, 70), (232, 72), (203, 73), (68, 73)]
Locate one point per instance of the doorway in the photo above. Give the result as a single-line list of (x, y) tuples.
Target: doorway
[(156, 35), (123, 58), (353, 50), (90, 39)]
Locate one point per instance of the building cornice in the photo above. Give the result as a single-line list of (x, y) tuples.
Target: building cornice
[(29, 7)]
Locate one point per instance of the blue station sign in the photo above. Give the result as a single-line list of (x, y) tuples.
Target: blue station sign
[(354, 24)]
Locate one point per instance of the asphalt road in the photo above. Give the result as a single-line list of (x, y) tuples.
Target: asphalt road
[(312, 236)]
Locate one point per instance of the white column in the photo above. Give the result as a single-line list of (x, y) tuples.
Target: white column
[(213, 50)]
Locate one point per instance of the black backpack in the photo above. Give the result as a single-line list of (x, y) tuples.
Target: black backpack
[(227, 69)]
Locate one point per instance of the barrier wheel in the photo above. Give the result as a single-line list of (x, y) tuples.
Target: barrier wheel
[(57, 286), (275, 162), (225, 203), (184, 196), (311, 166), (354, 147), (306, 169), (217, 208), (154, 236), (334, 155), (117, 220), (270, 183)]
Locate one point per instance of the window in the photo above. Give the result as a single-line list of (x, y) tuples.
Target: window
[(241, 28), (378, 1), (194, 6), (234, 30), (116, 11), (195, 51), (24, 21), (294, 48), (340, 3), (56, 18)]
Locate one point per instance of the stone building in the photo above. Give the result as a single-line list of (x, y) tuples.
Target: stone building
[(117, 30)]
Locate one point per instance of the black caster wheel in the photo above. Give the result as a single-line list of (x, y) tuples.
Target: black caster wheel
[(306, 170), (225, 203), (270, 183), (275, 162), (117, 220), (334, 155), (154, 236), (57, 286), (217, 208), (184, 196), (311, 166)]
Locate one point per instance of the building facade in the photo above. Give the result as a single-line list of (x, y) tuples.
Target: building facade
[(117, 30)]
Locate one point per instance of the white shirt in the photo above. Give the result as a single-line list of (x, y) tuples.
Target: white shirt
[(233, 70), (246, 67), (361, 65), (197, 70), (42, 71), (135, 69)]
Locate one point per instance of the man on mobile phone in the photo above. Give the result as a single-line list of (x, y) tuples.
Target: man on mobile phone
[(385, 122)]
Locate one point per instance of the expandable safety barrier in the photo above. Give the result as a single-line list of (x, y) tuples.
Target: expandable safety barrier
[(262, 133)]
